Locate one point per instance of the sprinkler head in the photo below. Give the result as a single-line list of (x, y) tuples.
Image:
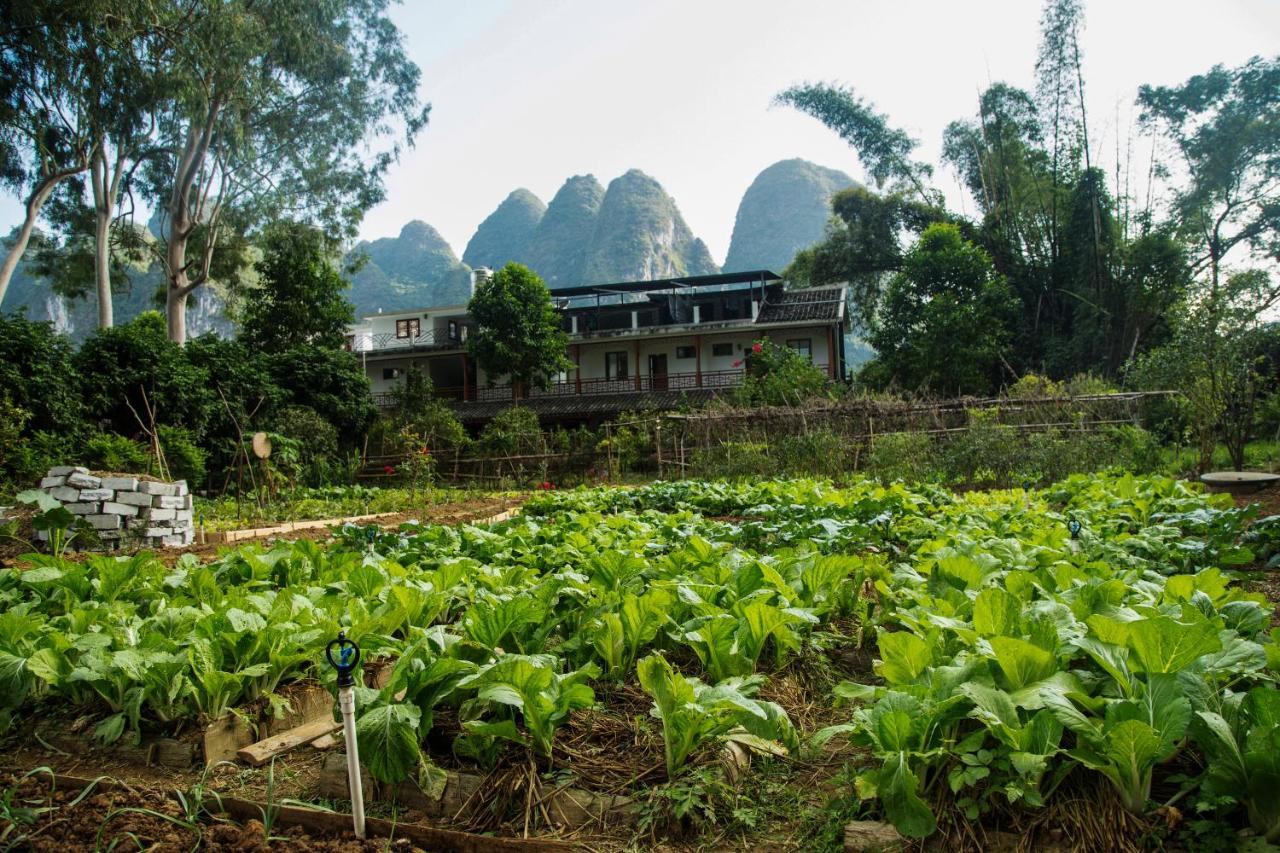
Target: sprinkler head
[(1074, 527), (348, 658)]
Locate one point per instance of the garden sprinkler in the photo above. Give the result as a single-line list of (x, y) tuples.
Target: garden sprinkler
[(348, 660), (1073, 527)]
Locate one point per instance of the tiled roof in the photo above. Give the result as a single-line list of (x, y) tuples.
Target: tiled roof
[(818, 304), (589, 405)]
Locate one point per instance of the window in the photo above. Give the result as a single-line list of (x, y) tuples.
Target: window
[(802, 346), (722, 350), (615, 365), (685, 352), (350, 343), (390, 373), (408, 328), (453, 330)]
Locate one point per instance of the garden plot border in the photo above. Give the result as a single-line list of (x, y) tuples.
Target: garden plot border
[(232, 536), (326, 822)]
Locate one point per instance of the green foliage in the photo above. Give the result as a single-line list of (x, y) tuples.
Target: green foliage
[(417, 408), (912, 457), (780, 376), (513, 431), (945, 323), (517, 330), (112, 452), (37, 375), (330, 383), (300, 299), (317, 442), (183, 456)]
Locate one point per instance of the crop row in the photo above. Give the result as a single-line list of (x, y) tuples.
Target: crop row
[(1011, 654)]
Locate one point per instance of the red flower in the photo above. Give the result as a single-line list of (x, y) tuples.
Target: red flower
[(546, 485), (388, 469), (757, 347), (423, 451), (738, 363)]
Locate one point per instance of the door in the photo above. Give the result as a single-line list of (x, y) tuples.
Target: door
[(658, 372)]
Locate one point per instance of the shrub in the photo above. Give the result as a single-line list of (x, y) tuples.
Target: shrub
[(912, 457), (1032, 385), (183, 456), (819, 453), (987, 452), (37, 375), (780, 376), (330, 382), (733, 459), (316, 441), (514, 432), (113, 452), (1087, 384)]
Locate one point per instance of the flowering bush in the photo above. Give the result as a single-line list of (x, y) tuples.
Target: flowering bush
[(780, 376)]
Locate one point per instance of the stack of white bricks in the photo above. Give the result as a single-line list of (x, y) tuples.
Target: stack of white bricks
[(125, 510)]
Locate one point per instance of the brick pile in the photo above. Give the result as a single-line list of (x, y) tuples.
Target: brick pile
[(125, 510)]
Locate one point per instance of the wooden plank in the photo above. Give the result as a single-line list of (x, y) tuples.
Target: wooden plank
[(258, 754)]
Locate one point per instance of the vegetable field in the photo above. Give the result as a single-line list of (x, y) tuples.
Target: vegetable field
[(970, 657)]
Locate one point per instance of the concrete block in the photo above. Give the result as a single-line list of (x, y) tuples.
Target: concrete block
[(133, 498), (52, 482), (149, 488), (183, 515), (96, 494), (104, 522), (88, 508), (66, 494), (161, 514), (156, 532), (170, 502), (117, 484), (181, 486), (178, 540), (84, 481), (64, 470), (118, 508)]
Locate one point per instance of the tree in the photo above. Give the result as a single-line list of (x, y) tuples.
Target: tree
[(45, 101), (278, 109), (885, 151), (1225, 127), (300, 299), (946, 319), (863, 245), (1216, 359), (517, 330)]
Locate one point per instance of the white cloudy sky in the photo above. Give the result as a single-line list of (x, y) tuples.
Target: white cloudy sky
[(528, 93)]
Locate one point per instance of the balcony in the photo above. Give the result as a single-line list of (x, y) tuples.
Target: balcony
[(430, 339), (713, 380)]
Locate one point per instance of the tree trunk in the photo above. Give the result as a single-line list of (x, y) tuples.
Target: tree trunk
[(175, 307), (105, 180), (34, 203)]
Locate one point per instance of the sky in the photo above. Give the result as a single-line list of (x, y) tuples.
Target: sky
[(526, 94)]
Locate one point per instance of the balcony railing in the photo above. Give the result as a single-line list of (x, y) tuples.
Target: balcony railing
[(712, 379), (430, 339)]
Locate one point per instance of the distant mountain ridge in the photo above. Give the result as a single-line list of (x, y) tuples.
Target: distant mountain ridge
[(588, 234)]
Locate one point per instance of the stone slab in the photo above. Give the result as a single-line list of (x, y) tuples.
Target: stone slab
[(118, 508), (117, 484), (87, 508), (52, 482), (66, 494), (84, 481), (170, 502), (155, 532), (178, 540), (181, 486), (183, 515), (133, 498), (65, 470), (104, 522), (149, 488), (161, 514), (96, 494)]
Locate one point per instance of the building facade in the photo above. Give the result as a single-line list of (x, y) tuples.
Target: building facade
[(634, 345)]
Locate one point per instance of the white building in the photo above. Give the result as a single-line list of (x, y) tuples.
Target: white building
[(643, 344)]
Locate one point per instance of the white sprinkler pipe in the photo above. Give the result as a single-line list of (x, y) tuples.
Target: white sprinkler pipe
[(347, 702)]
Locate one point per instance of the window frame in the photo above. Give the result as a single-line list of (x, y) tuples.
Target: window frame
[(717, 350), (407, 323), (686, 352), (612, 361), (806, 350)]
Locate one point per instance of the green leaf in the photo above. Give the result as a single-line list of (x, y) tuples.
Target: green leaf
[(1160, 644), (898, 789), (1022, 662), (388, 739), (905, 656), (996, 612)]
